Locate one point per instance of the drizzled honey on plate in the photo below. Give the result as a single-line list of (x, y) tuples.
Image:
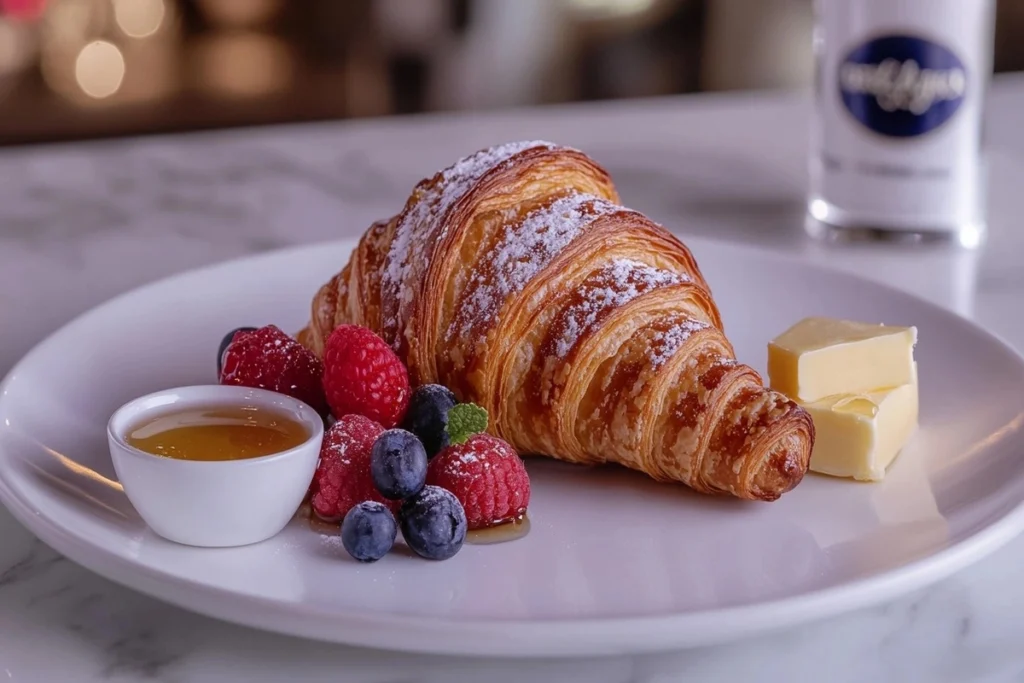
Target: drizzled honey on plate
[(510, 530), (218, 433)]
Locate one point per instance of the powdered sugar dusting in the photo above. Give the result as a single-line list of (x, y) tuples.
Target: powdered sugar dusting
[(332, 543), (430, 496), (525, 250), (616, 284), (665, 343), (723, 361), (435, 204), (326, 307), (475, 456), (472, 452), (337, 450)]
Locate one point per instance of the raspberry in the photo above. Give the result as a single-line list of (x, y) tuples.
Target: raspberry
[(487, 476), (342, 479), (362, 375), (267, 358)]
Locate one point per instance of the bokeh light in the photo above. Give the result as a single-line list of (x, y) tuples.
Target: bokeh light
[(16, 50), (610, 8), (68, 24), (240, 13), (99, 69), (139, 18), (244, 64), (153, 70)]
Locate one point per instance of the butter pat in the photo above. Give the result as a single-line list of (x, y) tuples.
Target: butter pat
[(859, 436), (821, 357)]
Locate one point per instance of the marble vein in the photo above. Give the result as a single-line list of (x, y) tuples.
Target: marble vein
[(33, 565)]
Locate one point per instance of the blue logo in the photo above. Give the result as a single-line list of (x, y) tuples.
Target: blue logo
[(902, 86)]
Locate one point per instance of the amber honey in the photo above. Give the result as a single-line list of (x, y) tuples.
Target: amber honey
[(511, 530), (218, 433)]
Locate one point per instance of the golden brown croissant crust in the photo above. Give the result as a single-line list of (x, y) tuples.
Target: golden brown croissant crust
[(586, 330)]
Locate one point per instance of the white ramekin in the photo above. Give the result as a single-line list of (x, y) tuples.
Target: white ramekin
[(220, 503)]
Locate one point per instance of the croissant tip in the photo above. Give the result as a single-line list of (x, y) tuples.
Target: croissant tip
[(782, 471)]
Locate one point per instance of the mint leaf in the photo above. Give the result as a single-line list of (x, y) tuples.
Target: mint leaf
[(465, 420)]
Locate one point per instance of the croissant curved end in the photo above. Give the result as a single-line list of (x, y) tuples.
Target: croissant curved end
[(787, 461)]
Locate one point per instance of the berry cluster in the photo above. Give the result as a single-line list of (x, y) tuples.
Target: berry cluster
[(392, 458)]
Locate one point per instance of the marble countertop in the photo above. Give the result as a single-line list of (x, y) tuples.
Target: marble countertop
[(82, 222)]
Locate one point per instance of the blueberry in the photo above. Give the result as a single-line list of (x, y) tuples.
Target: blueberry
[(398, 464), (368, 531), (433, 523), (224, 345), (427, 416)]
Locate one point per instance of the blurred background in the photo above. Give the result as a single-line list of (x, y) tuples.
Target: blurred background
[(72, 69)]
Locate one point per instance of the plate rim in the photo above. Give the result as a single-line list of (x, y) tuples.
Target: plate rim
[(515, 637)]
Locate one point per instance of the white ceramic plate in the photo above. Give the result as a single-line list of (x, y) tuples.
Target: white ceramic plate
[(614, 563)]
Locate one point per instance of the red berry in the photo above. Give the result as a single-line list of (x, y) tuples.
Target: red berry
[(268, 358), (487, 476), (362, 375), (342, 479)]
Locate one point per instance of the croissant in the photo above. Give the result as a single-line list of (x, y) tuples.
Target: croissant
[(586, 330)]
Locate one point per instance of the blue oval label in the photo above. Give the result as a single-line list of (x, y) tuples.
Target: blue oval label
[(902, 86)]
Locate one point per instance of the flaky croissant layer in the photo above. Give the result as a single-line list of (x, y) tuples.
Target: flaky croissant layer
[(587, 331)]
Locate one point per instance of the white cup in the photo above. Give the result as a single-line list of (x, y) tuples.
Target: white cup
[(214, 503)]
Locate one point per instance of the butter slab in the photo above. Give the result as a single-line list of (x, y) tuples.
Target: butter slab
[(820, 357), (859, 436)]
